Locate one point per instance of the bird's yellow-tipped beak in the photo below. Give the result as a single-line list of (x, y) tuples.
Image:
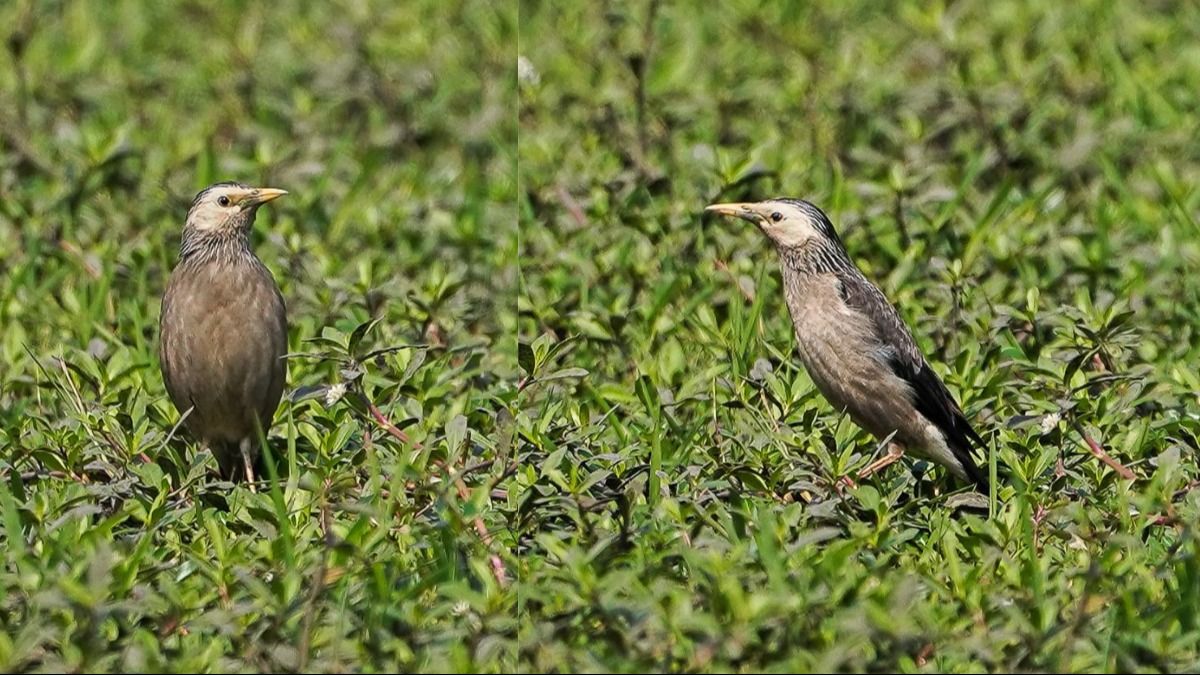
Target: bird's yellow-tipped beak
[(264, 195), (737, 210)]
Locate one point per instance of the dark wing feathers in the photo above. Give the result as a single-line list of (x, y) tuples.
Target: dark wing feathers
[(930, 395)]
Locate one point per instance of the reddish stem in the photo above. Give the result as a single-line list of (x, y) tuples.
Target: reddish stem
[(389, 427), (1104, 457), (461, 487)]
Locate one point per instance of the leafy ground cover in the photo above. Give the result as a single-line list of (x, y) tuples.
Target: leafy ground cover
[(391, 125), (1018, 177)]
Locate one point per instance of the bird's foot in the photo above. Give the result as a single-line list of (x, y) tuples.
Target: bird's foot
[(248, 465), (894, 453)]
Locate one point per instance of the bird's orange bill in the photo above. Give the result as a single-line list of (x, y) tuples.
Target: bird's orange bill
[(738, 210), (264, 195)]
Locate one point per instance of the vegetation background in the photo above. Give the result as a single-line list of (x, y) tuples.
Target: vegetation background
[(391, 124), (1020, 178)]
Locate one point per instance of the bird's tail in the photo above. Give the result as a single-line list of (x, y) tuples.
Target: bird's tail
[(960, 444)]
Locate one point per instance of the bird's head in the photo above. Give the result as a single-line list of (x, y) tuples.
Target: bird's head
[(789, 223), (227, 208)]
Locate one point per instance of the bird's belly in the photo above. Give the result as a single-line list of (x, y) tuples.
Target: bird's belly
[(225, 360), (229, 363), (848, 365), (852, 380)]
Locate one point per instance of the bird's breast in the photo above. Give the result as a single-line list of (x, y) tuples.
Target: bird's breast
[(223, 338), (844, 356)]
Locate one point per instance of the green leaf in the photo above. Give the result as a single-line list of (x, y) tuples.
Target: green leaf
[(648, 395), (525, 358), (565, 373)]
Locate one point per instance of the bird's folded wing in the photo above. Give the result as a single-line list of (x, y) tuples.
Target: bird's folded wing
[(930, 395)]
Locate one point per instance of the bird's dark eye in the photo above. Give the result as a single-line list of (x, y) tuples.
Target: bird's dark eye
[(776, 217), (223, 200)]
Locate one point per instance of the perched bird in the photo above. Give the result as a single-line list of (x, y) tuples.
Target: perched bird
[(854, 345), (223, 329)]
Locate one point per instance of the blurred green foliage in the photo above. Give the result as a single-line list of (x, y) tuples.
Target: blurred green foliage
[(1019, 177), (391, 126)]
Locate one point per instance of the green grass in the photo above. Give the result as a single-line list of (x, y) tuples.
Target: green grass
[(391, 125), (1018, 177), (495, 238)]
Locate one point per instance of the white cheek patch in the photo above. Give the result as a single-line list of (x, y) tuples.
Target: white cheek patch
[(209, 216), (791, 233)]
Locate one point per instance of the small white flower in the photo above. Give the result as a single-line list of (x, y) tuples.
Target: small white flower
[(335, 393), (461, 608), (526, 73), (1050, 421)]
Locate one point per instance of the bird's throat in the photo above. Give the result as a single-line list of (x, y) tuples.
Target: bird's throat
[(199, 247)]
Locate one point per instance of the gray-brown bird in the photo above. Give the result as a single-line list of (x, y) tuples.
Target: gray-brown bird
[(223, 329), (855, 346)]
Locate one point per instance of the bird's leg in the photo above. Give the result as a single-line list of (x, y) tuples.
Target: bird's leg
[(244, 446), (894, 453)]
